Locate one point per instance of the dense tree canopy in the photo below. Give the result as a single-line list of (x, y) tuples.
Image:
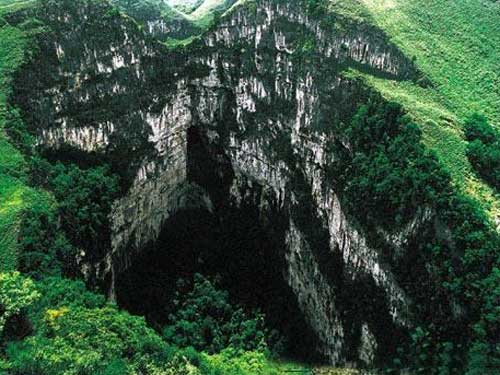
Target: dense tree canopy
[(484, 149), (206, 320)]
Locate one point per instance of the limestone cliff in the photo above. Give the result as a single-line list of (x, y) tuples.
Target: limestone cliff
[(240, 118), (159, 19)]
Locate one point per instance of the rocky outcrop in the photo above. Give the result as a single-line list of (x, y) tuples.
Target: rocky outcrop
[(279, 137), (261, 91), (159, 18)]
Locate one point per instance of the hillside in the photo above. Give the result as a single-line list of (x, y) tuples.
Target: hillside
[(185, 6), (203, 14), (456, 45), (249, 187), (14, 192), (174, 22), (159, 19)]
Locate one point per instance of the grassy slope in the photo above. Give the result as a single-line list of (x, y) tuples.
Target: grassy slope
[(203, 15), (185, 6), (15, 195), (456, 44), (12, 44)]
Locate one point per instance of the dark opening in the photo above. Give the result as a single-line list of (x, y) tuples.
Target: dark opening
[(248, 259), (239, 243)]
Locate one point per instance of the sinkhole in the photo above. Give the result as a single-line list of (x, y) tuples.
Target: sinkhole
[(238, 244), (246, 258)]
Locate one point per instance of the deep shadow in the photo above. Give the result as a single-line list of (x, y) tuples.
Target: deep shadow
[(241, 243), (247, 258)]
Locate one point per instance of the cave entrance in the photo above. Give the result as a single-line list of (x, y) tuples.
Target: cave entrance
[(241, 243), (234, 246)]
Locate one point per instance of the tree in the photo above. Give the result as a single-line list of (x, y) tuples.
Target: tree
[(85, 198), (16, 294), (58, 293), (483, 149), (75, 340), (477, 127), (205, 320), (44, 248)]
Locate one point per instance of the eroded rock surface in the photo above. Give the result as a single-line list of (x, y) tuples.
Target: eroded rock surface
[(259, 91)]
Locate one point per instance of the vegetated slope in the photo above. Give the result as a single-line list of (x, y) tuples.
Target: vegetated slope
[(174, 22), (204, 13), (160, 20), (185, 6), (15, 195), (457, 45)]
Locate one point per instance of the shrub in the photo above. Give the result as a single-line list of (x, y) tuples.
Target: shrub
[(17, 293), (84, 200), (477, 127), (83, 341), (387, 174), (230, 361), (483, 150)]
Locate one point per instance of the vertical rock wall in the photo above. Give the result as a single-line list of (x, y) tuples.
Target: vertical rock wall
[(261, 90), (285, 100)]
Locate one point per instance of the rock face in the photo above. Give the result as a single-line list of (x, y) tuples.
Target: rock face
[(242, 118), (159, 18)]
